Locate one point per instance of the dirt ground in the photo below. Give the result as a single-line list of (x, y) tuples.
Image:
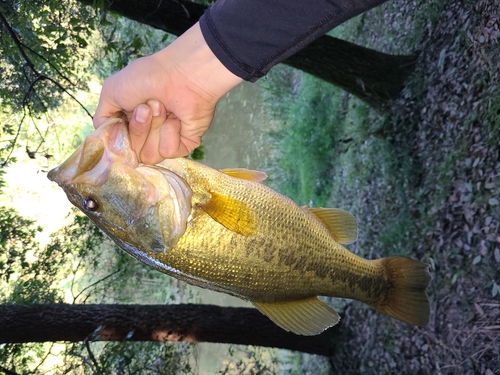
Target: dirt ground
[(451, 113)]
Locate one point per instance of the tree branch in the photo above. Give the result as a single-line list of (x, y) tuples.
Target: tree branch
[(92, 357), (68, 93), (17, 43), (185, 322), (94, 284), (14, 141), (48, 62), (38, 77)]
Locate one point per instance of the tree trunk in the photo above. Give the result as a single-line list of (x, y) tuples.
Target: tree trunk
[(190, 323), (372, 76)]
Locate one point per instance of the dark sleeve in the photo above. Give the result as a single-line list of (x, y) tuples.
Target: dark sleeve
[(251, 36)]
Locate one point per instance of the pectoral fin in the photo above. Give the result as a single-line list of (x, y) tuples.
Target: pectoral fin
[(234, 214), (341, 224), (307, 317), (245, 174)]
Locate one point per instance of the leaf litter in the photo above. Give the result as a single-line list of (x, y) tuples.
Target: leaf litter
[(449, 115)]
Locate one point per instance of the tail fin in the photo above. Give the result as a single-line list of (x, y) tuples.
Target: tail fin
[(406, 299)]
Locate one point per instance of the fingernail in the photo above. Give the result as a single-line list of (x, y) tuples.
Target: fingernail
[(155, 106), (142, 113)]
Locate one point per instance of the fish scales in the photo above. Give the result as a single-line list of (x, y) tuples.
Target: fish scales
[(289, 244), (225, 231)]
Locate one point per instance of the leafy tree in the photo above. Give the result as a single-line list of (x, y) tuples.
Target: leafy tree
[(43, 60), (49, 52), (17, 239)]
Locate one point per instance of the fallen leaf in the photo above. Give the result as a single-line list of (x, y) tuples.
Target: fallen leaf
[(493, 201), (476, 260)]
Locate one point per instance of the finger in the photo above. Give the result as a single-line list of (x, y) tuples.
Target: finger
[(172, 143), (149, 153), (139, 127), (157, 108)]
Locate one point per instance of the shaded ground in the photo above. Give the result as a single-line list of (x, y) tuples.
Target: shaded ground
[(444, 136)]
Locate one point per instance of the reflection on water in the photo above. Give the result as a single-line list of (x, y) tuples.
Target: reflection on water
[(237, 139)]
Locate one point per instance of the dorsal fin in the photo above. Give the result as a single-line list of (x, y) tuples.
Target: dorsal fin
[(245, 174), (234, 214), (341, 224), (305, 317)]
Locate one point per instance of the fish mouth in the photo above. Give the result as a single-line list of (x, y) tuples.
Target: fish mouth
[(90, 162)]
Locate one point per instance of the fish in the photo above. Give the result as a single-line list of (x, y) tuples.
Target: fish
[(226, 231)]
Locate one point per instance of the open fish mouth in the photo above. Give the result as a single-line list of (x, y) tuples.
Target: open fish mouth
[(107, 144)]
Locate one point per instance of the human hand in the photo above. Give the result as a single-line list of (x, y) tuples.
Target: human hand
[(169, 97)]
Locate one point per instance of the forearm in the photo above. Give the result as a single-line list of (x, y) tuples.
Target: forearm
[(190, 56), (251, 36)]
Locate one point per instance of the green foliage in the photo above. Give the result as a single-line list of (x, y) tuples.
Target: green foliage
[(30, 274), (252, 360), (123, 42), (49, 51), (308, 143), (17, 238), (36, 280), (198, 153), (132, 358), (44, 60), (42, 52)]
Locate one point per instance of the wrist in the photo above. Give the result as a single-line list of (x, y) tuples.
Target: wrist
[(195, 61)]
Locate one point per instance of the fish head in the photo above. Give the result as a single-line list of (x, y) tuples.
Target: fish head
[(142, 208)]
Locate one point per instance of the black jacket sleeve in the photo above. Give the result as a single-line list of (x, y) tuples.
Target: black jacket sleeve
[(251, 36)]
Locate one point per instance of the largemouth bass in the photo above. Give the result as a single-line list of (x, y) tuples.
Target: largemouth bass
[(226, 231)]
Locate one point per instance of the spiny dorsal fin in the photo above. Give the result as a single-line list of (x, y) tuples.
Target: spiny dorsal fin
[(245, 174), (341, 224), (306, 317), (234, 214)]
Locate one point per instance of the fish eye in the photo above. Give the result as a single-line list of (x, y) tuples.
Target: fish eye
[(90, 203)]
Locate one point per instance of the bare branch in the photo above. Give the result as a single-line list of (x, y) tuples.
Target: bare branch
[(92, 357), (14, 141), (48, 62), (17, 42), (94, 284), (69, 94), (32, 84)]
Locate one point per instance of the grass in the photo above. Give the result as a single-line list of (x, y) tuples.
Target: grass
[(330, 149), (305, 152)]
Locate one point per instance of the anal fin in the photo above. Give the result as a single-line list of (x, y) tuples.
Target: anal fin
[(307, 317), (341, 224)]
